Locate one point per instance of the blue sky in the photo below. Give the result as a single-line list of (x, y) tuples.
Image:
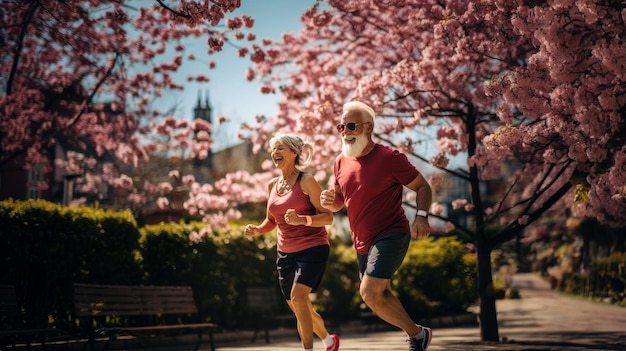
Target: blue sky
[(229, 92)]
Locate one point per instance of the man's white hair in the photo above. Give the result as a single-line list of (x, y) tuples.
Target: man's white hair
[(366, 111)]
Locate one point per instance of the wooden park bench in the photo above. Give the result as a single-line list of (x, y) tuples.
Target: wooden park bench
[(13, 331), (112, 307)]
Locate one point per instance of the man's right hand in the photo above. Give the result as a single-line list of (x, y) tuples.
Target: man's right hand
[(327, 199)]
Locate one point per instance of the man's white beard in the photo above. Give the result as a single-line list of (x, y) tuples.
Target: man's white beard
[(355, 149)]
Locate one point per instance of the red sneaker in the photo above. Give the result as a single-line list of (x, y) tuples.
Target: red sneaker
[(335, 345)]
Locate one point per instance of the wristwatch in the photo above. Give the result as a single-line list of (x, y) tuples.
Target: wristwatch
[(422, 213)]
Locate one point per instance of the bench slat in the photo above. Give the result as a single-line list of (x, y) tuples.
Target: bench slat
[(122, 300), (164, 327)]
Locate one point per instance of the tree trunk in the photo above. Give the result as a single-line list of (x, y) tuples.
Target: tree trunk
[(487, 315)]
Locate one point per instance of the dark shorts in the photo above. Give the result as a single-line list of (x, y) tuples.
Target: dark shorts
[(385, 256), (305, 267)]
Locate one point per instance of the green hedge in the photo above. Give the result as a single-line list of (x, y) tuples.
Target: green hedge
[(605, 280), (338, 297), (219, 268), (47, 248), (438, 276)]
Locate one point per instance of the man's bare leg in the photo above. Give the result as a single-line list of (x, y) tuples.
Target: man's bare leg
[(377, 294)]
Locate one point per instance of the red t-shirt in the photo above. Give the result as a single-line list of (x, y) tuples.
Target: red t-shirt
[(294, 238), (372, 188)]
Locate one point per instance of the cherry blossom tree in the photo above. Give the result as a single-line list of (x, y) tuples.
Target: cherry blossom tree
[(572, 96), (88, 74), (532, 82)]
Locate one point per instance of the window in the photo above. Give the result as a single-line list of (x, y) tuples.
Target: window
[(35, 176)]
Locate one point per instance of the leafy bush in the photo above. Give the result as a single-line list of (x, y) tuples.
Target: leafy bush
[(437, 276), (219, 268), (47, 247), (338, 298), (605, 279)]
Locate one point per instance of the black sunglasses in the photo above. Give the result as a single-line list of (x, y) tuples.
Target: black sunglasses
[(350, 125)]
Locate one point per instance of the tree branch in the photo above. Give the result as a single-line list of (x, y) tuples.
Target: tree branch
[(19, 44), (514, 227), (95, 90), (177, 13)]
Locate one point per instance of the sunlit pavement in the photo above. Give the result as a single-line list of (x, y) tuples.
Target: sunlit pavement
[(540, 320)]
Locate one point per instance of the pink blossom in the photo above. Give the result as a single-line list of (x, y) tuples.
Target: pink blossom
[(188, 179), (202, 78), (449, 227), (135, 198), (436, 208), (250, 74), (123, 182), (267, 89), (459, 203), (234, 23), (440, 161), (162, 202), (195, 237), (523, 220), (242, 52), (203, 135), (411, 196), (164, 187), (435, 180)]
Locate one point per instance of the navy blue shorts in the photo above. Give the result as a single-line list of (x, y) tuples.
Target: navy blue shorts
[(385, 256), (305, 267)]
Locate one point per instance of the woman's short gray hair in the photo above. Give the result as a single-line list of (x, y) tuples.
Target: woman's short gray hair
[(296, 145)]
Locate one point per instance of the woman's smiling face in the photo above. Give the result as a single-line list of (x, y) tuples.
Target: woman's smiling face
[(282, 154)]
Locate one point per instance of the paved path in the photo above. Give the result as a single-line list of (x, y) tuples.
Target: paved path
[(545, 317), (541, 320)]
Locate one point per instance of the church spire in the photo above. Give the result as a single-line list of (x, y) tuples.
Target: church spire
[(203, 111)]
